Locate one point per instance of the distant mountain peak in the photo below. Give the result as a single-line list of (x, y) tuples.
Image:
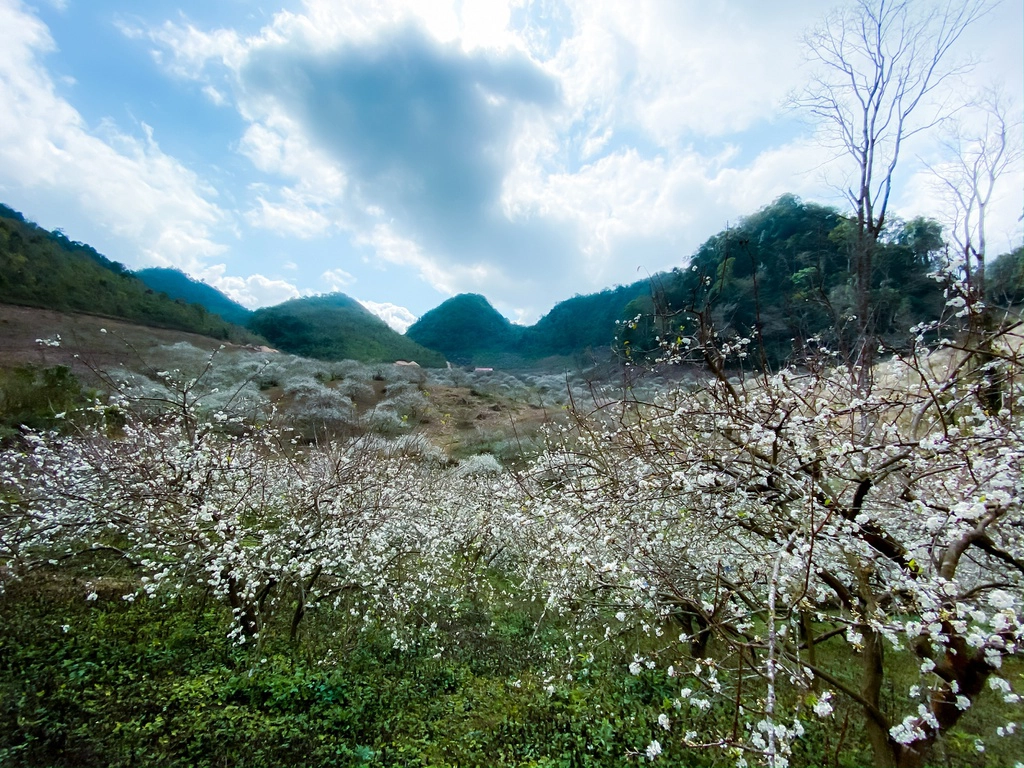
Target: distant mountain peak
[(178, 285), (334, 326), (464, 327)]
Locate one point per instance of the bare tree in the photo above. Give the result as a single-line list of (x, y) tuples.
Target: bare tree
[(976, 158), (881, 65), (978, 152)]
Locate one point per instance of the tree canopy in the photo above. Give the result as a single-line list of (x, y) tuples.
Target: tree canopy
[(782, 276), (336, 327), (45, 269)]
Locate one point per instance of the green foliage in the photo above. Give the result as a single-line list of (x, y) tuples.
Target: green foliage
[(336, 327), (178, 285), (469, 331), (38, 398), (45, 269), (782, 275), (465, 329), (584, 322), (116, 683), (1004, 278)]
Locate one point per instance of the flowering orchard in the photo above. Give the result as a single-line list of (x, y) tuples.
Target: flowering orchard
[(190, 500), (761, 519), (764, 550)]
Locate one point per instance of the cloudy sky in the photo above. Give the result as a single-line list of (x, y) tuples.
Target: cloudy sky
[(403, 151)]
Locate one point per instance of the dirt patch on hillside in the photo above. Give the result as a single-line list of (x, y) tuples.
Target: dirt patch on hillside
[(461, 420), (464, 421), (83, 343)]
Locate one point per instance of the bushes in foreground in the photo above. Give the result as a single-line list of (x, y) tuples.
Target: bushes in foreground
[(117, 683)]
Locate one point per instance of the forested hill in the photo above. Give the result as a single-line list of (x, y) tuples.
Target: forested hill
[(586, 322), (781, 275), (469, 331), (336, 327), (466, 329), (178, 285), (39, 268)]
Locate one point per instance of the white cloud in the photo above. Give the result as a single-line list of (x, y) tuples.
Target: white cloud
[(447, 278), (322, 24), (797, 166), (391, 247), (306, 207), (667, 128), (215, 96), (399, 318), (252, 291), (126, 183), (680, 200), (277, 145), (185, 51), (292, 218), (337, 279), (678, 69)]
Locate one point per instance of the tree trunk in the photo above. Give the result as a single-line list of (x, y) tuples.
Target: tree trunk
[(882, 745)]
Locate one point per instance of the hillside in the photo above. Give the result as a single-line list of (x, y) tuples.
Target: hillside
[(45, 269), (780, 275), (466, 329), (336, 327), (469, 331), (463, 413), (585, 322), (178, 285)]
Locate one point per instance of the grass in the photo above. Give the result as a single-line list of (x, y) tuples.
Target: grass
[(122, 683)]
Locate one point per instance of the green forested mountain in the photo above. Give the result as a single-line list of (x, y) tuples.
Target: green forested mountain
[(466, 329), (782, 276), (45, 269), (586, 322), (178, 285), (336, 327)]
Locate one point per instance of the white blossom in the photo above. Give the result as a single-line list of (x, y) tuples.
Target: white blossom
[(653, 749)]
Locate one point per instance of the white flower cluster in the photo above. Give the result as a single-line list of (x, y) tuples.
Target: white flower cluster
[(694, 496)]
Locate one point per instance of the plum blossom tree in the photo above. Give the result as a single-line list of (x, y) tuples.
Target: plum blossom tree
[(768, 516), (189, 500)]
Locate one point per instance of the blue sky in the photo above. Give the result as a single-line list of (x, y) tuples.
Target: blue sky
[(403, 152)]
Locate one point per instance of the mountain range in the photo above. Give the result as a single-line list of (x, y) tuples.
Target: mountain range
[(44, 269), (781, 275), (178, 285)]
